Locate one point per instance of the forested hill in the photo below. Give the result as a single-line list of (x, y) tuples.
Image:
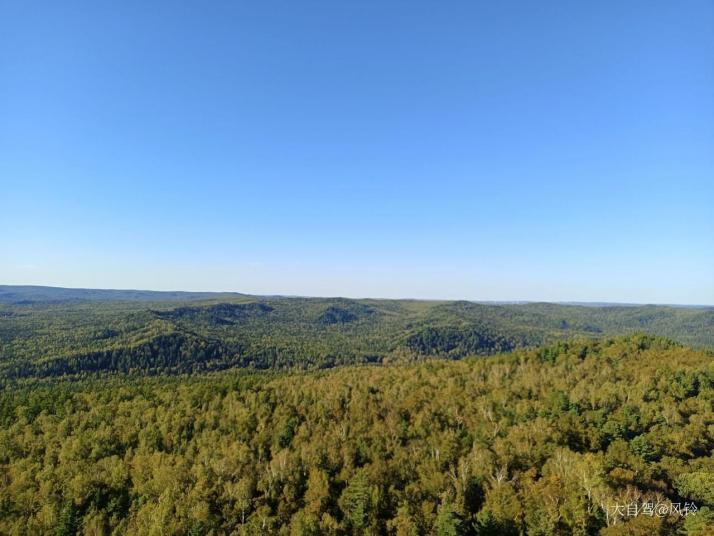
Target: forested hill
[(24, 294), (51, 332), (564, 440)]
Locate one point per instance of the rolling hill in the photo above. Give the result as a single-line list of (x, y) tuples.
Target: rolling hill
[(52, 332)]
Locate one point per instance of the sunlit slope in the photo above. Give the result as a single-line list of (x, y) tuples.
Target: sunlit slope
[(51, 338)]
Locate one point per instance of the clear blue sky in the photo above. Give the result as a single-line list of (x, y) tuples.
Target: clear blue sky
[(476, 150)]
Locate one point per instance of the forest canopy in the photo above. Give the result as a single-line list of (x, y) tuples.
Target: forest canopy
[(544, 441), (57, 332), (148, 413)]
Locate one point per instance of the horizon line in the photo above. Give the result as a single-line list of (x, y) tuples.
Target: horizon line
[(601, 303)]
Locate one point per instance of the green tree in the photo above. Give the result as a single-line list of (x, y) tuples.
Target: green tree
[(67, 522), (447, 522), (355, 502)]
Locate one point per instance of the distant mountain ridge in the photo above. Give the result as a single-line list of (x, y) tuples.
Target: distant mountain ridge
[(41, 293), (19, 294), (52, 332)]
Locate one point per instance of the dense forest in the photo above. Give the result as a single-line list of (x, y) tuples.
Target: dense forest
[(144, 413), (47, 332), (563, 439)]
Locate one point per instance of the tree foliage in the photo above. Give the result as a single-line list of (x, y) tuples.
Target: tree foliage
[(537, 441)]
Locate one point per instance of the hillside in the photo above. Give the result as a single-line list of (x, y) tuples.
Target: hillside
[(547, 441), (52, 332), (25, 294)]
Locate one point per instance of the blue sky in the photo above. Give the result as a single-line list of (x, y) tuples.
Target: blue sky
[(475, 150)]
